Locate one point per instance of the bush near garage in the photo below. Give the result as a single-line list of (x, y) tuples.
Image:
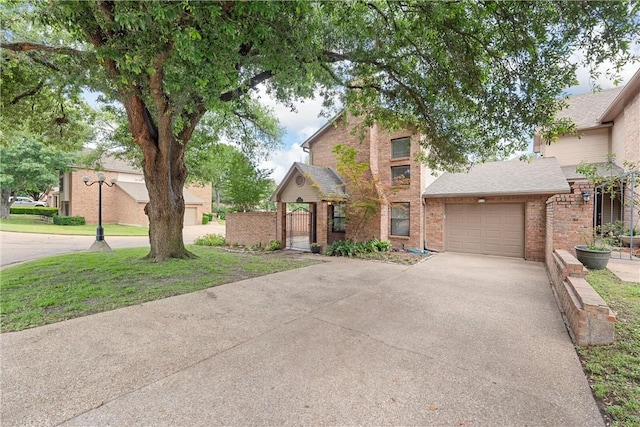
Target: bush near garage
[(68, 220), (33, 210)]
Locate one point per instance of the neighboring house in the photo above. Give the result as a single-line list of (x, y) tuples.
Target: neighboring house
[(523, 209), (124, 202), (607, 123)]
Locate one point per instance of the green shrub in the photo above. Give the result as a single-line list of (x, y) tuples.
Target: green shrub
[(273, 245), (205, 219), (350, 248), (68, 220), (33, 210), (210, 240)]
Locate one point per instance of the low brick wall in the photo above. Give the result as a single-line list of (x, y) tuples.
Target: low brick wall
[(250, 228), (590, 320)]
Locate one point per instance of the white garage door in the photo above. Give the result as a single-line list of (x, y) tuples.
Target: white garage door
[(485, 228)]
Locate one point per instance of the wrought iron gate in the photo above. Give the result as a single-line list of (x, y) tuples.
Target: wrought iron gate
[(300, 229)]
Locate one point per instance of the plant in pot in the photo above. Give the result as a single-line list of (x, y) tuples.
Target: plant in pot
[(315, 248), (595, 254), (631, 239)]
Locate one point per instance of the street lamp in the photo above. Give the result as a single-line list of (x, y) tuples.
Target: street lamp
[(100, 245)]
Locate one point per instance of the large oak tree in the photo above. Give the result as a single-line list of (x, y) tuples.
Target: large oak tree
[(467, 75)]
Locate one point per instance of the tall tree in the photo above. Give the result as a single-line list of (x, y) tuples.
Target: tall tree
[(465, 74), (29, 167), (246, 185), (42, 115)]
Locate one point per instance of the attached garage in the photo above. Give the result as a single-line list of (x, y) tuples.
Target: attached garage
[(485, 228), (496, 208)]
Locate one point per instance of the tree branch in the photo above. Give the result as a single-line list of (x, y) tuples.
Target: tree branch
[(27, 93), (253, 82), (26, 46), (47, 64), (192, 119)]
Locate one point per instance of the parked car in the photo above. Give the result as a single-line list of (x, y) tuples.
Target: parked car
[(27, 201)]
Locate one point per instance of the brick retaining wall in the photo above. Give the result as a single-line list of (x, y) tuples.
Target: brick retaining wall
[(590, 320), (250, 228)]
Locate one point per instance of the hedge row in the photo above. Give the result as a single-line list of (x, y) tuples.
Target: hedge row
[(33, 210), (68, 220)]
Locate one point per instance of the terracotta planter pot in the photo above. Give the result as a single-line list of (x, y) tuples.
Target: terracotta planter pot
[(592, 259)]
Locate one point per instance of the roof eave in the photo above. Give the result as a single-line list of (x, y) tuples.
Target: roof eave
[(307, 143), (619, 102), (492, 194)]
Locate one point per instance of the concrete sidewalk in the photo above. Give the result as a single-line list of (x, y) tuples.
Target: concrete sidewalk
[(454, 340)]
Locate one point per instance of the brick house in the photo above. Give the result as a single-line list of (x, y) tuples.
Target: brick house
[(389, 154), (124, 202), (607, 123), (515, 208)]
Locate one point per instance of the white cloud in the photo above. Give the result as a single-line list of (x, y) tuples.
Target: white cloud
[(282, 160), (300, 123)]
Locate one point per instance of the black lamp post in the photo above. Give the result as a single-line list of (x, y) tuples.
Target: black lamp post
[(99, 244)]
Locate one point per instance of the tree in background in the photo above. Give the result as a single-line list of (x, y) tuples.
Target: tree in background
[(29, 167), (466, 75), (246, 185), (218, 140)]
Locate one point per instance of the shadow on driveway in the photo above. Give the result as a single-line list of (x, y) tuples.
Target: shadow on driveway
[(454, 340)]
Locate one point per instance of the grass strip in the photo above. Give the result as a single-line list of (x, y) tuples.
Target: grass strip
[(67, 286), (34, 224), (613, 371)]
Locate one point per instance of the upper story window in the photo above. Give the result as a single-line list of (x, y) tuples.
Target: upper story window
[(400, 147), (400, 175)]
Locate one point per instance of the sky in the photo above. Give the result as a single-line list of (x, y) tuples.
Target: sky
[(306, 120)]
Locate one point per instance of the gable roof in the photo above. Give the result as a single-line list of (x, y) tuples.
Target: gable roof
[(110, 163), (138, 192), (330, 123), (512, 177), (585, 110), (326, 180)]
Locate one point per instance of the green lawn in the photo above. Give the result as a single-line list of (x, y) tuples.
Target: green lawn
[(68, 286), (33, 224), (614, 371)]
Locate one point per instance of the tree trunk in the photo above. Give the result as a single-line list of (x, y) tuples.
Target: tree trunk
[(5, 204), (165, 174)]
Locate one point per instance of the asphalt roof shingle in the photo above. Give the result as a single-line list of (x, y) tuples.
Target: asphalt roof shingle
[(585, 110), (138, 192), (326, 179), (512, 177)]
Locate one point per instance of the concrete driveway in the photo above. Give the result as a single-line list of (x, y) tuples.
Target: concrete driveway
[(454, 340)]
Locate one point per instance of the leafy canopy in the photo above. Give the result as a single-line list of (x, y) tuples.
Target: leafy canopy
[(466, 74), (30, 167)]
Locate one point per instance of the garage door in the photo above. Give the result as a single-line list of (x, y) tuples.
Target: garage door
[(485, 228), (190, 216)]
